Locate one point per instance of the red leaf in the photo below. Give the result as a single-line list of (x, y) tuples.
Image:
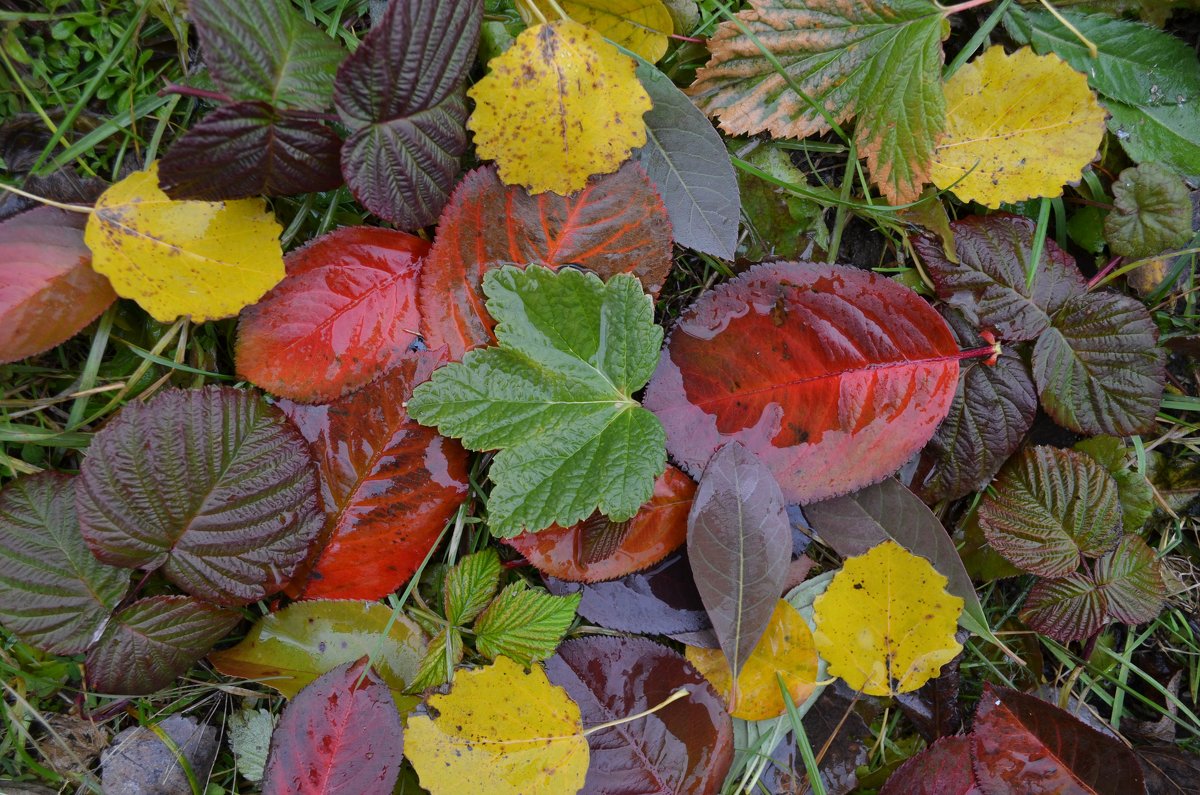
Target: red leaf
[(345, 312), (943, 768), (388, 485), (339, 736), (574, 553), (617, 224), (48, 290), (833, 376), (1024, 744)]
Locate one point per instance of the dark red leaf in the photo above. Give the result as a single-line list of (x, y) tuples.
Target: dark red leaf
[(48, 290), (250, 149), (617, 224), (387, 483), (943, 768), (345, 312), (834, 377), (587, 552), (1132, 581), (339, 736), (686, 747), (1066, 609), (1023, 744), (933, 708)]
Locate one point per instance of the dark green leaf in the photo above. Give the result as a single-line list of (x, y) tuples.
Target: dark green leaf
[(524, 625), (1152, 212), (470, 585), (1131, 579), (1066, 609), (1163, 133)]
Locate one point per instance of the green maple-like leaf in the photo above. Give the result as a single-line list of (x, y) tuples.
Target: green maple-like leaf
[(877, 60), (555, 398)]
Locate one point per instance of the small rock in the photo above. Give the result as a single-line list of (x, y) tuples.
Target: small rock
[(139, 763)]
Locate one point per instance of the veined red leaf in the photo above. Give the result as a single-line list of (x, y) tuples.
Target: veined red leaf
[(617, 224), (1067, 608), (341, 735), (48, 290), (833, 376), (1132, 582), (943, 768), (387, 483), (600, 549), (345, 312)]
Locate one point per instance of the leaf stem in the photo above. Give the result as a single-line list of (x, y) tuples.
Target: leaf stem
[(678, 694), (74, 208), (190, 91), (1092, 51), (1107, 269), (966, 6)]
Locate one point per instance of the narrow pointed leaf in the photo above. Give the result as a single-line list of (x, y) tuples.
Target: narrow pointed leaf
[(437, 666)]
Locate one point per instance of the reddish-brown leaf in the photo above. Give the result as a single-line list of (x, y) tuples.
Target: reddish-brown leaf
[(617, 224), (943, 768), (599, 549), (48, 290), (345, 312), (388, 485), (833, 376)]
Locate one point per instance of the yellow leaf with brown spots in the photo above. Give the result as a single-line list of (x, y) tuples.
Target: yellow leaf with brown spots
[(886, 623), (637, 25), (1018, 126), (786, 649), (205, 260), (558, 106), (503, 730)]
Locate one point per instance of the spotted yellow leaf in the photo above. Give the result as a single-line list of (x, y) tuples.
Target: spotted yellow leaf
[(1018, 126), (886, 623), (558, 106), (637, 25), (503, 730), (205, 260), (786, 649)]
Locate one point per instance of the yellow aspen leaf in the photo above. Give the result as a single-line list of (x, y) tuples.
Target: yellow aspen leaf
[(206, 260), (886, 623), (1018, 126), (786, 648), (637, 25), (558, 106), (503, 730)]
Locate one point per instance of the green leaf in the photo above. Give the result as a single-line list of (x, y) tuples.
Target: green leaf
[(249, 739), (1152, 212), (1133, 489), (524, 625), (470, 585), (1132, 581), (555, 397), (784, 226), (1166, 133), (266, 50), (437, 666), (879, 60), (1069, 608)]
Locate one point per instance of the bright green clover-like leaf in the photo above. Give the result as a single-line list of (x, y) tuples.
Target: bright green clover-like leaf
[(555, 398), (470, 585)]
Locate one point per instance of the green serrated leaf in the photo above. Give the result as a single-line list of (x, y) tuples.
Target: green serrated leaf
[(555, 397), (437, 666), (1152, 212), (524, 625), (1133, 489), (1131, 579), (250, 738), (470, 585)]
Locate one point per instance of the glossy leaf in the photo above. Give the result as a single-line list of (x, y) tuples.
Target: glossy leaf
[(558, 106), (54, 594), (1165, 133), (641, 26), (886, 624), (340, 735), (529, 742), (388, 486), (523, 624), (292, 647), (147, 644), (211, 486), (615, 224), (470, 586), (849, 375), (399, 95), (786, 649), (346, 312), (205, 260), (555, 397), (1131, 579), (943, 768), (598, 548), (1134, 491), (1014, 735), (879, 61), (687, 161), (1019, 126), (739, 545), (1066, 609), (48, 290), (1152, 212), (684, 747), (249, 149)]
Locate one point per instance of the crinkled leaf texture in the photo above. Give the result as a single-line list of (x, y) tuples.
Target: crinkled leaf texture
[(388, 486), (1133, 488), (555, 398), (686, 746), (879, 61), (1152, 212), (1067, 608), (524, 624), (48, 290), (400, 96), (345, 312), (212, 486), (341, 735), (615, 224), (54, 594), (833, 376)]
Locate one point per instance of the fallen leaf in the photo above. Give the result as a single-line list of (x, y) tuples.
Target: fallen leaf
[(641, 26), (1169, 769), (943, 768), (250, 733), (1152, 212)]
